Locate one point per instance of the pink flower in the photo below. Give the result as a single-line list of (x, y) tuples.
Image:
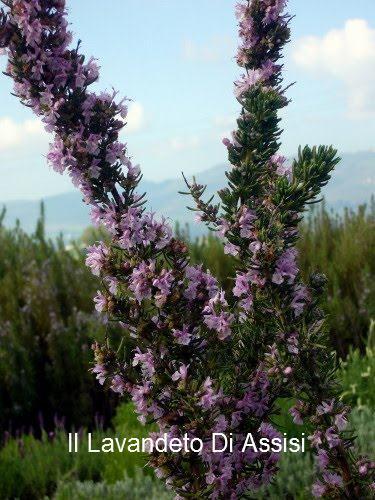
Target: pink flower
[(210, 478), (325, 408), (282, 168), (246, 222), (242, 285), (146, 360), (101, 373), (224, 227), (246, 82), (208, 396), (56, 157), (180, 374), (226, 142), (141, 280), (333, 479), (255, 76), (92, 144), (236, 419), (323, 459), (183, 336), (318, 489), (267, 430), (97, 256), (286, 267), (216, 317), (199, 282), (332, 437), (163, 283), (112, 284), (288, 371), (341, 421), (230, 249), (118, 385), (269, 68), (221, 424), (101, 303), (316, 439), (299, 300), (256, 278)]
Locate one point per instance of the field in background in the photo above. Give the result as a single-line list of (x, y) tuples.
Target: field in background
[(47, 325)]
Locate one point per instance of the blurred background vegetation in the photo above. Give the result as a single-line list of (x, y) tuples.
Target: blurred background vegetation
[(47, 326)]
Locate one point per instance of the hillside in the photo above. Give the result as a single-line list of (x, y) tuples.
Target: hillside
[(352, 183)]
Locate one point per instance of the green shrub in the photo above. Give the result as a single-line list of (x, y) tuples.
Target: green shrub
[(294, 479), (47, 326), (126, 424), (31, 468), (296, 474), (343, 248), (358, 375), (139, 487), (362, 420)]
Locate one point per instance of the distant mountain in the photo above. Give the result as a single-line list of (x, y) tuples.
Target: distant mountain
[(352, 183)]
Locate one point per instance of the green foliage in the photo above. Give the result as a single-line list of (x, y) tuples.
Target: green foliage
[(136, 488), (357, 379), (358, 375), (92, 235), (126, 425), (294, 479), (311, 171), (47, 327), (296, 474), (284, 421), (31, 468), (362, 420), (341, 247)]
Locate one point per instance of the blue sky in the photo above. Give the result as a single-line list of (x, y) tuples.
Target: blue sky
[(175, 59)]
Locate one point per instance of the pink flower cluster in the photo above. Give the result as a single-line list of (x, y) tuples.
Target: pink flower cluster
[(255, 76)]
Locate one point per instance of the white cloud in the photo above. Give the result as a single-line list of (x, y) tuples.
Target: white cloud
[(226, 120), (347, 54), (15, 135), (183, 143), (136, 118), (370, 181), (176, 144), (30, 134), (214, 50)]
